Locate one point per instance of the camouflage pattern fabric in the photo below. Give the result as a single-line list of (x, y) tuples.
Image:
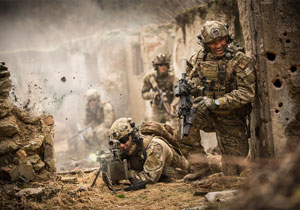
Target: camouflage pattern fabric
[(161, 161), (166, 84), (102, 119), (234, 93)]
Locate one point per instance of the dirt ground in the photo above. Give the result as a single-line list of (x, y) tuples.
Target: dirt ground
[(78, 195)]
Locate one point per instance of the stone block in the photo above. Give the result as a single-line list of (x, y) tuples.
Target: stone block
[(21, 154), (23, 171), (48, 120), (25, 116), (39, 165), (7, 146), (5, 107), (34, 144), (48, 152), (33, 159), (31, 192), (8, 126)]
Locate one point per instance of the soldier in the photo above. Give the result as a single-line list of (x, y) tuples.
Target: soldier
[(223, 83), (100, 115), (158, 87), (150, 157)]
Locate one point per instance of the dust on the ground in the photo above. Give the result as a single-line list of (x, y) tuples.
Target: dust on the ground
[(59, 194)]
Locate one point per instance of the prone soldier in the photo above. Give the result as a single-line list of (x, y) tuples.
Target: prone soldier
[(150, 156)]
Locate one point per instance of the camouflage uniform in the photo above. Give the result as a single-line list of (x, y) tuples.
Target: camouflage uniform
[(156, 160), (164, 83), (230, 80), (101, 119)]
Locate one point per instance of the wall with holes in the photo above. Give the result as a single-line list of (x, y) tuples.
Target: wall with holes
[(274, 26)]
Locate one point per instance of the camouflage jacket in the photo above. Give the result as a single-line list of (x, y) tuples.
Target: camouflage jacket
[(230, 79), (161, 160), (166, 84), (104, 115)]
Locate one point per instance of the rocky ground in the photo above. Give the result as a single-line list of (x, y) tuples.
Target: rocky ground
[(73, 191)]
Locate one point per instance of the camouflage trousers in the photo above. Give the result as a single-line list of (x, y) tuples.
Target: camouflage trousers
[(231, 132)]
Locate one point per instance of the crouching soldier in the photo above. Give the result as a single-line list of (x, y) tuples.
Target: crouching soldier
[(100, 115), (151, 157)]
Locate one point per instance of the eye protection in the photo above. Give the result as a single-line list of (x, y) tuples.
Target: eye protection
[(124, 139)]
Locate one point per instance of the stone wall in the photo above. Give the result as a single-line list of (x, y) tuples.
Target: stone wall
[(275, 36), (26, 141)]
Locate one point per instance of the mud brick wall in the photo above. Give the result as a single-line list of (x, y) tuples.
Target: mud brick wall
[(26, 141)]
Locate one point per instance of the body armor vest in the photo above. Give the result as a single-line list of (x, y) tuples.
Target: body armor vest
[(166, 85), (217, 77), (98, 118)]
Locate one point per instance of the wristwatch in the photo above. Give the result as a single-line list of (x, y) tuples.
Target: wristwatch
[(217, 103)]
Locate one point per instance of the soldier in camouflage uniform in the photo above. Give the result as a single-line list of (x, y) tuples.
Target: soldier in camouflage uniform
[(164, 79), (101, 115), (222, 78), (151, 158)]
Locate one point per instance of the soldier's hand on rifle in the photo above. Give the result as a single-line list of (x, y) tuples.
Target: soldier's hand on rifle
[(155, 95), (202, 103)]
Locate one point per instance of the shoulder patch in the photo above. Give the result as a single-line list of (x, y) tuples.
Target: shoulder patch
[(240, 60)]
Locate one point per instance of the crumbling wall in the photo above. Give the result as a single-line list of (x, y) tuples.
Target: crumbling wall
[(26, 141), (155, 39), (274, 29)]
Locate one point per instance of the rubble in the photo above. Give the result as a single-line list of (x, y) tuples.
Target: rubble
[(26, 141), (30, 192)]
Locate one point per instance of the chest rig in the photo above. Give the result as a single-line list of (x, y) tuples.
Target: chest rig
[(166, 85), (217, 76), (99, 116)]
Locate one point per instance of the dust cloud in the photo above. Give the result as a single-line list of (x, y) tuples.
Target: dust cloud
[(57, 50)]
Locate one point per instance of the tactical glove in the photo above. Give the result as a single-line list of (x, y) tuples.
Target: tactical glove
[(136, 185), (202, 103)]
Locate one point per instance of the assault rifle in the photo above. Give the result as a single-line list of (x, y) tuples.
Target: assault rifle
[(162, 97), (80, 131), (113, 167), (186, 112)]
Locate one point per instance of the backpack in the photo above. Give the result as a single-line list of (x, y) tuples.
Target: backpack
[(160, 129)]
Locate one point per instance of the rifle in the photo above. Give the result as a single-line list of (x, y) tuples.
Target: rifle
[(163, 100), (185, 110), (113, 167), (81, 131)]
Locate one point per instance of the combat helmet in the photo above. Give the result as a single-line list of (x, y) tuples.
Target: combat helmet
[(92, 94), (161, 59), (212, 30), (121, 129)]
